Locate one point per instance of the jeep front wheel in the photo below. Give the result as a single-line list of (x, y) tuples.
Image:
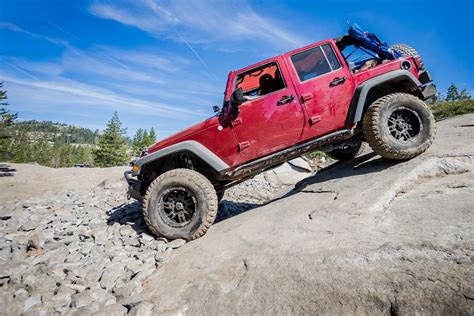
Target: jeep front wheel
[(399, 126), (180, 203)]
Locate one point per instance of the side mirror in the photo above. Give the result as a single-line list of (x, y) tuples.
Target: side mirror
[(216, 108), (230, 109), (237, 97)]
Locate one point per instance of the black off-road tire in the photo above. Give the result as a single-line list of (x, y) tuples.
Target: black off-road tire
[(176, 184), (348, 153), (387, 110), (407, 50)]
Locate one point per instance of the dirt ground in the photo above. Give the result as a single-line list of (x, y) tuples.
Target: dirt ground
[(369, 236), (25, 181)]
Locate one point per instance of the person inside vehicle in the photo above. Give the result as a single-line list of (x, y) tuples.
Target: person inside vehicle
[(278, 81), (265, 87)]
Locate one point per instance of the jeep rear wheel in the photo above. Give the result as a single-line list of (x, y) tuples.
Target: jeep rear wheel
[(180, 203), (349, 150), (399, 126)]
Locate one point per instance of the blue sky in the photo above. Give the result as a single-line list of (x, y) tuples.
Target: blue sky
[(163, 64)]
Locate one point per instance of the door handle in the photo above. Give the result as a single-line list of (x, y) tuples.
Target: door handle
[(337, 81), (285, 99)]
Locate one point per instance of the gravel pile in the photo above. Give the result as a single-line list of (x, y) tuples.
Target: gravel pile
[(77, 253), (88, 251), (246, 196)]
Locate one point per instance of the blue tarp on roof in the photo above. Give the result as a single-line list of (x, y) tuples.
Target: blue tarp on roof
[(371, 42)]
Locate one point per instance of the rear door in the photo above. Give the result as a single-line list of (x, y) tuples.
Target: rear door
[(325, 86), (273, 119)]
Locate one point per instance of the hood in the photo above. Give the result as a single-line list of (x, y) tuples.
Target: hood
[(182, 135)]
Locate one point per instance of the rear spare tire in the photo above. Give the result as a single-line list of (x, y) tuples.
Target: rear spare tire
[(409, 51), (180, 203), (399, 126)]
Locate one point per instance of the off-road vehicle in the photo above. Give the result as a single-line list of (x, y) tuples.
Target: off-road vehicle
[(330, 96)]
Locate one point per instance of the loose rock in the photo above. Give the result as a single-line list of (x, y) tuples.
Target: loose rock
[(141, 309), (111, 310), (176, 243), (32, 301)]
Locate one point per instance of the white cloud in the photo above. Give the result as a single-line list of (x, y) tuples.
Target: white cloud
[(140, 82), (26, 73), (218, 25), (15, 28), (128, 15), (201, 22), (147, 73), (98, 96), (95, 67), (147, 59), (142, 73), (88, 111)]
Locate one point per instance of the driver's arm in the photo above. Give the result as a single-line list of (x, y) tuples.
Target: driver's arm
[(250, 97)]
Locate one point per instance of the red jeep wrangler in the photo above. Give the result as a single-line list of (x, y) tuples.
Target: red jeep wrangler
[(312, 98)]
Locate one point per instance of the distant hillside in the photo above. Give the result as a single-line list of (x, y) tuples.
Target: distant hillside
[(49, 144), (58, 133)]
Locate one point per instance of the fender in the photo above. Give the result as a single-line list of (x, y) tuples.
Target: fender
[(189, 145), (360, 95)]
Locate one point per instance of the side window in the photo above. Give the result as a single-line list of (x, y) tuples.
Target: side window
[(331, 56), (260, 81), (315, 62)]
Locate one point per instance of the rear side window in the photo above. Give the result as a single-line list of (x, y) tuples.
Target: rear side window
[(331, 56), (315, 62)]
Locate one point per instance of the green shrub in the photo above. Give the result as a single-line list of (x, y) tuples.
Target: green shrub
[(446, 109)]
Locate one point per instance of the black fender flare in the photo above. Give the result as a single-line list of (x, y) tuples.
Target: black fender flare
[(357, 107), (190, 146)]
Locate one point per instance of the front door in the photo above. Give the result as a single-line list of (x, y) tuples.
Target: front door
[(325, 87), (272, 118)]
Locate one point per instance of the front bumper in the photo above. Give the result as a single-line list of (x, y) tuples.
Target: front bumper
[(134, 186)]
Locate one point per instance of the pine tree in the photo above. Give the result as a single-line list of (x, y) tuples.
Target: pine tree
[(56, 156), (88, 157), (78, 154), (137, 142), (152, 136), (464, 95), (66, 155), (146, 139), (112, 150), (453, 93), (21, 147), (41, 150), (6, 120), (96, 136)]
